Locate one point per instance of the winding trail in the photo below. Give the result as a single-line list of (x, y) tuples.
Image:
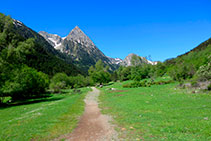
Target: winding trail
[(93, 126)]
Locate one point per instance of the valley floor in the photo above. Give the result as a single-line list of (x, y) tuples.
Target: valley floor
[(42, 119), (159, 112)]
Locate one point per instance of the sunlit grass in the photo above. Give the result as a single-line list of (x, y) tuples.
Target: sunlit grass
[(159, 112), (42, 119)]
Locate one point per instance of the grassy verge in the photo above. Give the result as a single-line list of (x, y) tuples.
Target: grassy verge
[(159, 112), (42, 119)]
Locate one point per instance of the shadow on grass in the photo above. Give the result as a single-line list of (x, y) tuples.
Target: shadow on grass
[(30, 101), (108, 84)]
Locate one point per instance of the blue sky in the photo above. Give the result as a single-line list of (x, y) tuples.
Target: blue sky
[(160, 28)]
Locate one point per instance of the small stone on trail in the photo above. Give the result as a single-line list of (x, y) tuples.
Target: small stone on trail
[(206, 118), (131, 127), (123, 129)]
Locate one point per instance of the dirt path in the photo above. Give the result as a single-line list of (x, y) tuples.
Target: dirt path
[(93, 126)]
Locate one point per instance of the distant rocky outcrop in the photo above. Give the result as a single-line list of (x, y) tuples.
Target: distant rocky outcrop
[(135, 60)]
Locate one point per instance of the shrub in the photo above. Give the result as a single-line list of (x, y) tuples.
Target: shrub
[(182, 72), (59, 81), (136, 84), (204, 72), (56, 87), (162, 82), (25, 83)]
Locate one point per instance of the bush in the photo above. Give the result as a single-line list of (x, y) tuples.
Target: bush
[(162, 82), (136, 84), (25, 83), (182, 72), (56, 87), (59, 81), (204, 72)]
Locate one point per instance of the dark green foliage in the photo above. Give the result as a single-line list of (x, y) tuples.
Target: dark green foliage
[(59, 81), (159, 70), (141, 72), (182, 72), (124, 73), (80, 81), (99, 73), (114, 76), (135, 73), (24, 83)]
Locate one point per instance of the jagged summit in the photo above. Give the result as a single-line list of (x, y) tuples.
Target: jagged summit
[(77, 35), (76, 30)]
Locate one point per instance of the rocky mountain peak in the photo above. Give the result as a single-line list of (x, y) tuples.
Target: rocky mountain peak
[(77, 35)]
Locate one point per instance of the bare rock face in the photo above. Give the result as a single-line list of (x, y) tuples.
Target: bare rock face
[(80, 47), (78, 36)]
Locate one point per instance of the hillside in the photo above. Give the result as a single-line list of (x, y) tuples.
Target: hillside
[(45, 58), (194, 58)]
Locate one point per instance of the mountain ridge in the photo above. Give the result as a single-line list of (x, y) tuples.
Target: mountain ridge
[(81, 48), (84, 52)]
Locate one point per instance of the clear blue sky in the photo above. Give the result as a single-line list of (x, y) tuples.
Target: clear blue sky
[(160, 28)]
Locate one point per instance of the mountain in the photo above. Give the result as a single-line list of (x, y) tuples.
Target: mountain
[(135, 60), (45, 58), (80, 48)]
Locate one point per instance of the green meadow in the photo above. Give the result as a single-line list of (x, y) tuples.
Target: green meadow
[(42, 119), (159, 112)]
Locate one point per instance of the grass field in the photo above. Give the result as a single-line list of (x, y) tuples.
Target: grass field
[(42, 119), (159, 112)]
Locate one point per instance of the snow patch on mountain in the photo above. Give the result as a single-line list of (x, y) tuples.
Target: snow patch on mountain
[(116, 61), (17, 22)]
